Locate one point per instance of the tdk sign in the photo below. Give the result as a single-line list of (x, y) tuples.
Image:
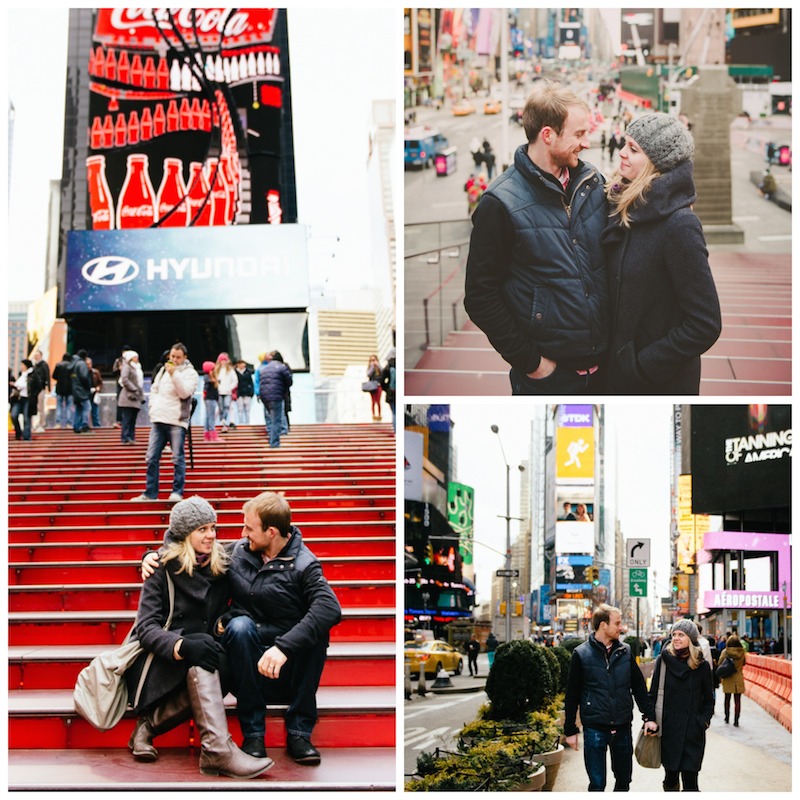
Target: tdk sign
[(110, 270), (575, 417)]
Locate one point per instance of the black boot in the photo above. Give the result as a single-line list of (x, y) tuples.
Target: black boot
[(736, 721)]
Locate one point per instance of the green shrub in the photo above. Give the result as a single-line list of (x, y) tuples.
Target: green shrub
[(571, 643), (537, 732), (555, 668), (520, 680), (564, 657)]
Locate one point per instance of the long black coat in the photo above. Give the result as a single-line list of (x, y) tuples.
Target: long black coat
[(199, 601), (665, 308), (688, 708)]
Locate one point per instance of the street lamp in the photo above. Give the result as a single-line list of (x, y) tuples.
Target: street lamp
[(508, 519)]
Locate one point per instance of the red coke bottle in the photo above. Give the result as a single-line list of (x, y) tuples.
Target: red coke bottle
[(219, 191), (199, 195), (172, 195), (99, 196), (230, 188), (136, 207)]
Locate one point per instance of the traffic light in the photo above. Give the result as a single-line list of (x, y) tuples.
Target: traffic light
[(595, 576), (674, 584), (502, 608), (429, 554), (517, 609)]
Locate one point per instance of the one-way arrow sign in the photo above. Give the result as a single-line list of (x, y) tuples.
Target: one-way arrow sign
[(638, 551)]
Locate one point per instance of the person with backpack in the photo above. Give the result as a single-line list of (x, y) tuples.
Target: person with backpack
[(388, 383), (81, 391), (64, 405), (20, 401), (42, 371)]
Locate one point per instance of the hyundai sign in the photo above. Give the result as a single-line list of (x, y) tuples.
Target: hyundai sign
[(239, 268)]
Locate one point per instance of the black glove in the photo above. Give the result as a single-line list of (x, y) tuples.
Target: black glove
[(201, 650), (229, 615)]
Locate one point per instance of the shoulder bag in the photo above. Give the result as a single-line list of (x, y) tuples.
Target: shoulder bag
[(648, 748), (101, 694), (726, 668), (369, 386)]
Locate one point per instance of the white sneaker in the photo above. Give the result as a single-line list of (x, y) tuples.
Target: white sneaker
[(143, 498), (175, 498)]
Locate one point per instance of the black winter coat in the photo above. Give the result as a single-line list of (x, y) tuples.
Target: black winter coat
[(536, 279), (81, 379), (688, 708), (199, 601), (288, 597), (665, 309), (604, 686), (274, 380)]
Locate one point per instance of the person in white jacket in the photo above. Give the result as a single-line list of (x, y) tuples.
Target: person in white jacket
[(227, 381), (170, 412)]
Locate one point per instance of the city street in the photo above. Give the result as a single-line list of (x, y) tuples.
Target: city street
[(753, 757)]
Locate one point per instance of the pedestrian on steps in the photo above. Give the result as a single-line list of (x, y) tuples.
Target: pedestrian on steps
[(131, 394), (211, 400)]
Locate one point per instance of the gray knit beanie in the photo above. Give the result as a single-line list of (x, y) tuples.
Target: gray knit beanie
[(688, 627), (664, 140), (190, 514)]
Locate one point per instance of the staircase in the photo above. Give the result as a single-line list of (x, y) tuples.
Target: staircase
[(75, 544)]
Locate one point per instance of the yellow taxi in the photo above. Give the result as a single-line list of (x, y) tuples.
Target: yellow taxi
[(491, 107), (463, 108), (434, 655)]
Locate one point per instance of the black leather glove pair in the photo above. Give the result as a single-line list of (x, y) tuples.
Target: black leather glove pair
[(201, 650)]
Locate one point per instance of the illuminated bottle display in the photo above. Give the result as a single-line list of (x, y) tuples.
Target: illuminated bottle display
[(172, 195), (99, 196), (136, 207)]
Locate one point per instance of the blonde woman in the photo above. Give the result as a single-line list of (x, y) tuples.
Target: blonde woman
[(664, 304), (227, 381), (687, 708), (185, 676)]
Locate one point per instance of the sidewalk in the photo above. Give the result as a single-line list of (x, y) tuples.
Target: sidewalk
[(755, 757)]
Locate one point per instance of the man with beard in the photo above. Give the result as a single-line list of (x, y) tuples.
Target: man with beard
[(536, 280)]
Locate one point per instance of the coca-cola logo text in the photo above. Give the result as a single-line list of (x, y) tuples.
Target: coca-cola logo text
[(110, 270), (185, 20)]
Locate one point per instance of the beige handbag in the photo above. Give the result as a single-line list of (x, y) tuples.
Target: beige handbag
[(648, 748), (101, 693)]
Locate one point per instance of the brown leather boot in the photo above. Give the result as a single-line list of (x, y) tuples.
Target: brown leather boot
[(166, 716), (219, 755)]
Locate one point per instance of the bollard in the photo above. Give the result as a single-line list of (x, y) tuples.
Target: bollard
[(422, 690), (443, 680), (407, 672)]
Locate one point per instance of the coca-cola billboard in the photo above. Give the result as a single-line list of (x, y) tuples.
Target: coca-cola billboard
[(186, 119)]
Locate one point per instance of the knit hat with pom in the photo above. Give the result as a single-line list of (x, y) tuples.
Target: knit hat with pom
[(663, 138)]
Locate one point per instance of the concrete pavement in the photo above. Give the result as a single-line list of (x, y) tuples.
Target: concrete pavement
[(755, 757)]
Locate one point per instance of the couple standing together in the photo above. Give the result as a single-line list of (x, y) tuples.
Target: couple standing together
[(585, 286)]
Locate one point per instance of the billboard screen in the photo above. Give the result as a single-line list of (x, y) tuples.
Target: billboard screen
[(574, 537), (741, 457), (461, 516), (205, 268), (186, 109), (575, 454)]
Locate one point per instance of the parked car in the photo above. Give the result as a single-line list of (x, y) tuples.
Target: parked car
[(421, 146), (434, 655)]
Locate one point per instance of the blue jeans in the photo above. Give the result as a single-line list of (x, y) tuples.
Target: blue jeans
[(595, 744), (246, 641), (275, 420), (21, 406), (128, 423), (81, 418), (160, 434), (243, 409), (224, 403), (65, 409), (211, 415), (95, 413)]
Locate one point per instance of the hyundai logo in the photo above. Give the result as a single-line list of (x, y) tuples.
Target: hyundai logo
[(110, 270)]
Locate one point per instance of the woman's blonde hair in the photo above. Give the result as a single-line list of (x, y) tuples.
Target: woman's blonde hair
[(695, 654), (624, 194), (187, 557)]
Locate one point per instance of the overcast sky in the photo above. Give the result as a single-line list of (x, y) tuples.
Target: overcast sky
[(637, 464), (340, 63)]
